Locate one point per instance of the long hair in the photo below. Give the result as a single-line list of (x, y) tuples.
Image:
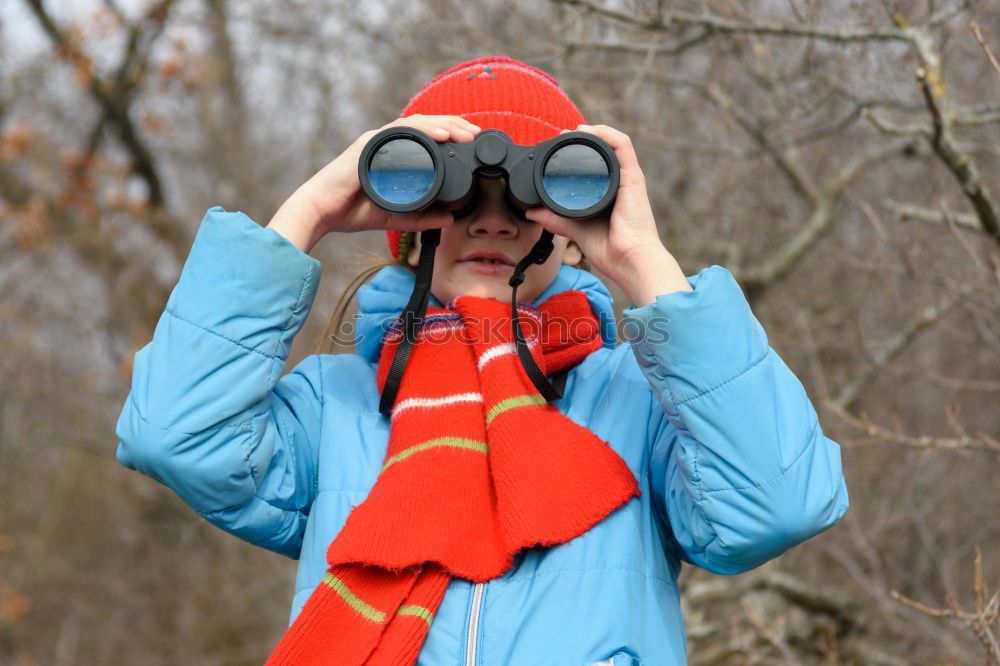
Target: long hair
[(375, 263)]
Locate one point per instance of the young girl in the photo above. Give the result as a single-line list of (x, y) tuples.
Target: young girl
[(480, 524)]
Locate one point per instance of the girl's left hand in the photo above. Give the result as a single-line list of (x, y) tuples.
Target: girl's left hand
[(612, 245)]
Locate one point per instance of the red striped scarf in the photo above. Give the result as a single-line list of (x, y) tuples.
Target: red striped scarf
[(478, 467)]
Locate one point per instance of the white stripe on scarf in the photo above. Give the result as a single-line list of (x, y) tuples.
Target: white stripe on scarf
[(427, 403), (502, 350)]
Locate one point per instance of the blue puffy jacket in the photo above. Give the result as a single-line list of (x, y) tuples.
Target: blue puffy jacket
[(733, 466)]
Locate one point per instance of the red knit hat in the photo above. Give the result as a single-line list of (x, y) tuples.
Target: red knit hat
[(494, 93)]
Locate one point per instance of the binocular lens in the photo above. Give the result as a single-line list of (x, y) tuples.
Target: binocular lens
[(401, 171), (576, 176)]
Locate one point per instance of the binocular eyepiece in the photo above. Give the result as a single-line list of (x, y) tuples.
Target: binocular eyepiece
[(403, 170)]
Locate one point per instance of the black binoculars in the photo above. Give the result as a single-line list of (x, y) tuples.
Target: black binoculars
[(403, 170)]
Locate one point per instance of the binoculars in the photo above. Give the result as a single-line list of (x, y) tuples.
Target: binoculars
[(403, 170)]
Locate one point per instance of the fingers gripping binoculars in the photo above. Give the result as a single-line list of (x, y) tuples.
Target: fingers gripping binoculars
[(403, 170)]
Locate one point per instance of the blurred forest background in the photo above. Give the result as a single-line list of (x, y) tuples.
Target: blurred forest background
[(841, 158)]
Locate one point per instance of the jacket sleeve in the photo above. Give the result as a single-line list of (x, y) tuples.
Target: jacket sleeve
[(739, 465), (209, 414)]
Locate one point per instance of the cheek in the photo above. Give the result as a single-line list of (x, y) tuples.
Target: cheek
[(545, 273), (556, 258)]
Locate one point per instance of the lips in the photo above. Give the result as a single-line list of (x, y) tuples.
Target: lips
[(487, 268), (488, 257)]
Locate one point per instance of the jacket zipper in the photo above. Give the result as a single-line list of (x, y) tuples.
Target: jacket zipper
[(472, 639)]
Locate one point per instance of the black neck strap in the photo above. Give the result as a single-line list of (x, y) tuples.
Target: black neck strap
[(416, 308), (413, 319), (538, 255)]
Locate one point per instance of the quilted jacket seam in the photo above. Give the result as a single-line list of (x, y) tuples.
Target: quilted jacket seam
[(183, 432), (292, 309), (696, 476), (319, 429), (303, 290), (662, 422), (278, 362), (218, 335), (236, 507), (779, 475), (253, 480), (728, 381), (293, 452)]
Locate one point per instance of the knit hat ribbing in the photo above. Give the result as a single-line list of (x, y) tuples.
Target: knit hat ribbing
[(494, 92)]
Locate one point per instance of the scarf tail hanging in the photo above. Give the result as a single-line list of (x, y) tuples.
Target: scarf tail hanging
[(478, 466)]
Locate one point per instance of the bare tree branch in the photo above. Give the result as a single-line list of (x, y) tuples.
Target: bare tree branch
[(947, 13), (876, 434), (919, 322), (907, 212), (111, 97), (722, 25), (822, 197), (980, 621), (888, 127), (961, 166), (982, 42), (669, 49)]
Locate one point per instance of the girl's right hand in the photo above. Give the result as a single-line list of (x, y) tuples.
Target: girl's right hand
[(332, 200)]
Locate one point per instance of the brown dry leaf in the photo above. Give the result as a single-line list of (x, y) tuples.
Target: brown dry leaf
[(14, 605), (153, 123), (90, 210), (25, 659), (104, 22), (170, 68), (75, 34), (193, 78), (73, 158), (15, 141), (82, 72), (115, 199), (179, 42), (73, 54), (138, 206), (35, 228)]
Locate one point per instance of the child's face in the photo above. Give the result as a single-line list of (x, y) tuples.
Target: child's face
[(492, 226)]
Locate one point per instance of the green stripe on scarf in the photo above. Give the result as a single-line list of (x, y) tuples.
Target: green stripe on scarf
[(355, 602), (512, 403), (459, 442), (419, 611)]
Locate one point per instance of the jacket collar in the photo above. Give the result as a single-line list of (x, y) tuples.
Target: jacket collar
[(384, 298)]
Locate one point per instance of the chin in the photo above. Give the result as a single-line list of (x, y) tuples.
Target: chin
[(501, 294)]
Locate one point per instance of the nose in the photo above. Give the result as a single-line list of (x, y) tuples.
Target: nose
[(492, 223), (491, 217)]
